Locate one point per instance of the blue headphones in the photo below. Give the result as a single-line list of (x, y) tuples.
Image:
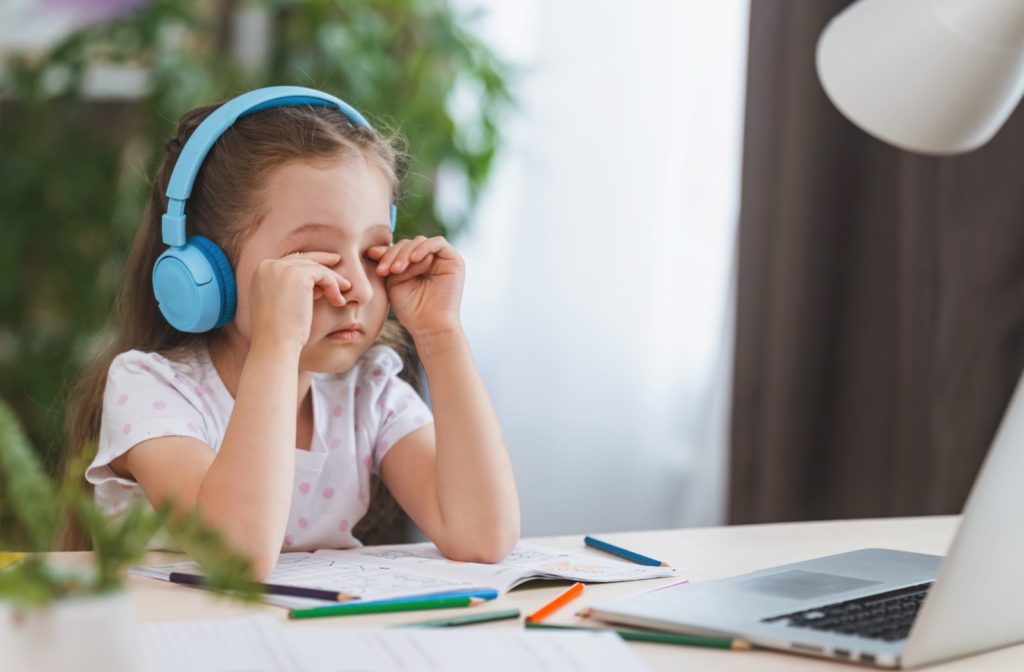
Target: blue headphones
[(193, 280)]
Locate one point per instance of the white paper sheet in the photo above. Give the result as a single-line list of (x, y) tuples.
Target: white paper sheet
[(262, 644)]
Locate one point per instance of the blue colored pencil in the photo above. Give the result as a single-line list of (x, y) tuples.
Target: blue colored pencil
[(622, 552)]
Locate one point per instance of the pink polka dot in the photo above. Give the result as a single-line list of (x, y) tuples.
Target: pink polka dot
[(122, 400), (358, 390), (328, 493), (191, 427), (303, 523), (199, 390), (336, 412), (343, 526), (368, 461), (159, 405), (335, 444), (127, 429), (145, 368), (390, 415), (377, 373), (167, 434), (304, 488), (289, 540), (155, 356), (209, 389), (362, 498), (126, 486), (382, 446), (419, 419)]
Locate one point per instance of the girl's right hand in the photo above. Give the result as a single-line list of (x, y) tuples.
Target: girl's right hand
[(282, 295)]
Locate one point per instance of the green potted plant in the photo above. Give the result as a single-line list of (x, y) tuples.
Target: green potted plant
[(80, 618)]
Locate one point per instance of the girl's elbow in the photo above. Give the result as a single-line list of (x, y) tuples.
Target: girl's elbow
[(489, 549), (261, 565)]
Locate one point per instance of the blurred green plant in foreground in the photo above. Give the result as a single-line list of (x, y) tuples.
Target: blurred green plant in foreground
[(32, 507)]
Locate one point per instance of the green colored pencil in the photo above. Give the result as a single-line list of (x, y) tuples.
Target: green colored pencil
[(354, 608), (484, 617), (658, 637)]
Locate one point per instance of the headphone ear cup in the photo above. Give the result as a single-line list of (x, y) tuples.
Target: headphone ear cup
[(195, 286), (224, 276)]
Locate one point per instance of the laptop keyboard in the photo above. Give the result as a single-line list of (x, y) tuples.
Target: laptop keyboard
[(886, 616)]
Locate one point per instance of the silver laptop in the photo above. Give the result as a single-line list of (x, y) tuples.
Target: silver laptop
[(882, 607)]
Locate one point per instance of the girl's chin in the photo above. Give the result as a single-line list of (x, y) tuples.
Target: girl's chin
[(330, 356)]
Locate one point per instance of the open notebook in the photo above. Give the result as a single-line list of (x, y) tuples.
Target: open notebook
[(410, 570)]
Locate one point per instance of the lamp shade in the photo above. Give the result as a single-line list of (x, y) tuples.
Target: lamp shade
[(932, 76)]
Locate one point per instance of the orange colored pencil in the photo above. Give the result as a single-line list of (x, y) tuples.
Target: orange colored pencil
[(554, 605)]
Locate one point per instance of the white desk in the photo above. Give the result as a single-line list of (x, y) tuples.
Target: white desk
[(698, 554)]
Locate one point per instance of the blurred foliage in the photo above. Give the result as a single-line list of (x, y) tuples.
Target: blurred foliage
[(75, 171), (31, 508)]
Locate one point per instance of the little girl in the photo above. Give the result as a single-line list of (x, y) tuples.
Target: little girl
[(271, 424)]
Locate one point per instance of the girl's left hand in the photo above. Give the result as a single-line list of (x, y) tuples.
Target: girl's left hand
[(424, 278)]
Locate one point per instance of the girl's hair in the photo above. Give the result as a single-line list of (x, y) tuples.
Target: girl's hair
[(225, 205)]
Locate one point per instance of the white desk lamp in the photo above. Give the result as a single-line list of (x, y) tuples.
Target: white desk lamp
[(931, 76)]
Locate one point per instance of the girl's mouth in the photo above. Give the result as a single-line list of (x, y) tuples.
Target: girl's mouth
[(351, 334)]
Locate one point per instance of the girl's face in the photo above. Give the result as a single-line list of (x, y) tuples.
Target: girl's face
[(341, 207)]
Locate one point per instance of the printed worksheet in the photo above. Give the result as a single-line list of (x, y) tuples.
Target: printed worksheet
[(411, 570)]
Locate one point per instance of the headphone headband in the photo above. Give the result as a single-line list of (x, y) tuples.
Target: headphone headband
[(179, 188)]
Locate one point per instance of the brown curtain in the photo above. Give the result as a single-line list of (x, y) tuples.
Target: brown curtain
[(880, 309)]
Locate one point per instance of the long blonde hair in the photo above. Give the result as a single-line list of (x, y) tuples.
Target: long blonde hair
[(225, 206)]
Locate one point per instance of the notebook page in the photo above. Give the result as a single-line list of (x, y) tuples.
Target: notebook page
[(526, 561), (359, 576)]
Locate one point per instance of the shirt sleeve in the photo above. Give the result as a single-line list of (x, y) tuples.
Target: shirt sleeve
[(396, 406), (145, 398)]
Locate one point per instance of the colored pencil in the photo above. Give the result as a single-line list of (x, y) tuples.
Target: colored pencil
[(554, 605), (355, 608), (622, 552), (658, 637), (187, 579), (482, 593), (484, 617)]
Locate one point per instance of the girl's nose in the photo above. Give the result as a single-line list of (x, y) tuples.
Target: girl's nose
[(357, 270)]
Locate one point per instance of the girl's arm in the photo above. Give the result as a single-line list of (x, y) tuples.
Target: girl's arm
[(245, 489), (454, 479), (460, 490)]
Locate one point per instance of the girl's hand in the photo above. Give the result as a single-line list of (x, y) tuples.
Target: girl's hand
[(282, 295), (424, 282)]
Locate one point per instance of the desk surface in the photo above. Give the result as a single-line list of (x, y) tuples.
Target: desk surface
[(697, 554)]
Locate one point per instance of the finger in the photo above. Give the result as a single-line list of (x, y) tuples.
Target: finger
[(378, 250), (401, 261), (428, 247), (383, 266), (329, 283), (317, 256)]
